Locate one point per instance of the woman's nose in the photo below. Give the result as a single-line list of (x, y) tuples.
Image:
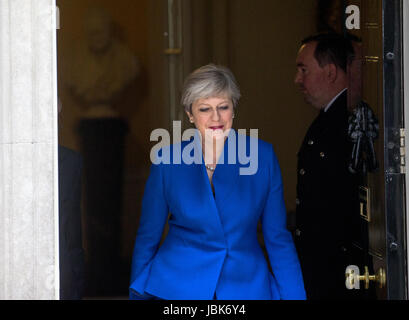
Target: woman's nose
[(215, 115)]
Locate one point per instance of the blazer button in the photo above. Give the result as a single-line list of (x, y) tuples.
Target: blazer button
[(322, 154), (297, 232), (310, 142), (302, 172), (297, 201)]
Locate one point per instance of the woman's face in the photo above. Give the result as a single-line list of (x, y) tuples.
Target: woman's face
[(212, 115)]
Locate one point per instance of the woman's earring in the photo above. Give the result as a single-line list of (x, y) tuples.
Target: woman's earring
[(191, 120), (232, 116)]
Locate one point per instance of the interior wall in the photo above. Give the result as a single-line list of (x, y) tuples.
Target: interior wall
[(259, 41), (131, 18), (143, 105), (264, 40)]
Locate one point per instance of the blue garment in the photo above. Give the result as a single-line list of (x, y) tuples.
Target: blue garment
[(212, 247)]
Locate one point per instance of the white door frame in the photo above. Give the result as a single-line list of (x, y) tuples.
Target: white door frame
[(29, 256)]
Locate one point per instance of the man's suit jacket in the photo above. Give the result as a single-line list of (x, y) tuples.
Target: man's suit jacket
[(327, 214), (212, 247), (71, 251)]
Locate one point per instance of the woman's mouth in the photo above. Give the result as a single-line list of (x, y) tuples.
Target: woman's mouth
[(216, 128)]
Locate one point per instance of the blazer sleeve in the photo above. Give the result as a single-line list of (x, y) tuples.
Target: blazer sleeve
[(278, 240), (151, 224)]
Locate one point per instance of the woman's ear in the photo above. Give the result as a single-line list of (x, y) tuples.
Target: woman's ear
[(190, 116)]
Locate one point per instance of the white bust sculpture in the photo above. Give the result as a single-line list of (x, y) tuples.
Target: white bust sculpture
[(101, 68)]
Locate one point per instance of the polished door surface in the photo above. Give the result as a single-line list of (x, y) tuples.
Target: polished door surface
[(382, 241)]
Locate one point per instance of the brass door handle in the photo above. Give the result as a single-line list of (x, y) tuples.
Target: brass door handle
[(353, 278), (173, 51)]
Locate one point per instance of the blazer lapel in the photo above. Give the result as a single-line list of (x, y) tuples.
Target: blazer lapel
[(196, 173), (225, 177), (226, 174)]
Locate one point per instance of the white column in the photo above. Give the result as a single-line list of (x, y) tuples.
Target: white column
[(28, 151)]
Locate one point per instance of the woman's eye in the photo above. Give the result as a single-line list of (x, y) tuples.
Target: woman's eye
[(224, 107), (204, 109)]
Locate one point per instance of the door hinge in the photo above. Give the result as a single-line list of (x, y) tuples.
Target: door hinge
[(395, 161), (402, 151), (57, 18)]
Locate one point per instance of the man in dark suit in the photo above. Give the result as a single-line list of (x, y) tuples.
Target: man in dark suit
[(327, 213), (71, 251)]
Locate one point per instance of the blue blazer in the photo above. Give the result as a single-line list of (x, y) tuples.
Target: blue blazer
[(211, 247)]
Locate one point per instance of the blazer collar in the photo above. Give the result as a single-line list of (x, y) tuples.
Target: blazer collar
[(326, 120), (227, 170), (226, 174), (338, 106)]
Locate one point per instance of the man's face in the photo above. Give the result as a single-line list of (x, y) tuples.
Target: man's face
[(310, 77)]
